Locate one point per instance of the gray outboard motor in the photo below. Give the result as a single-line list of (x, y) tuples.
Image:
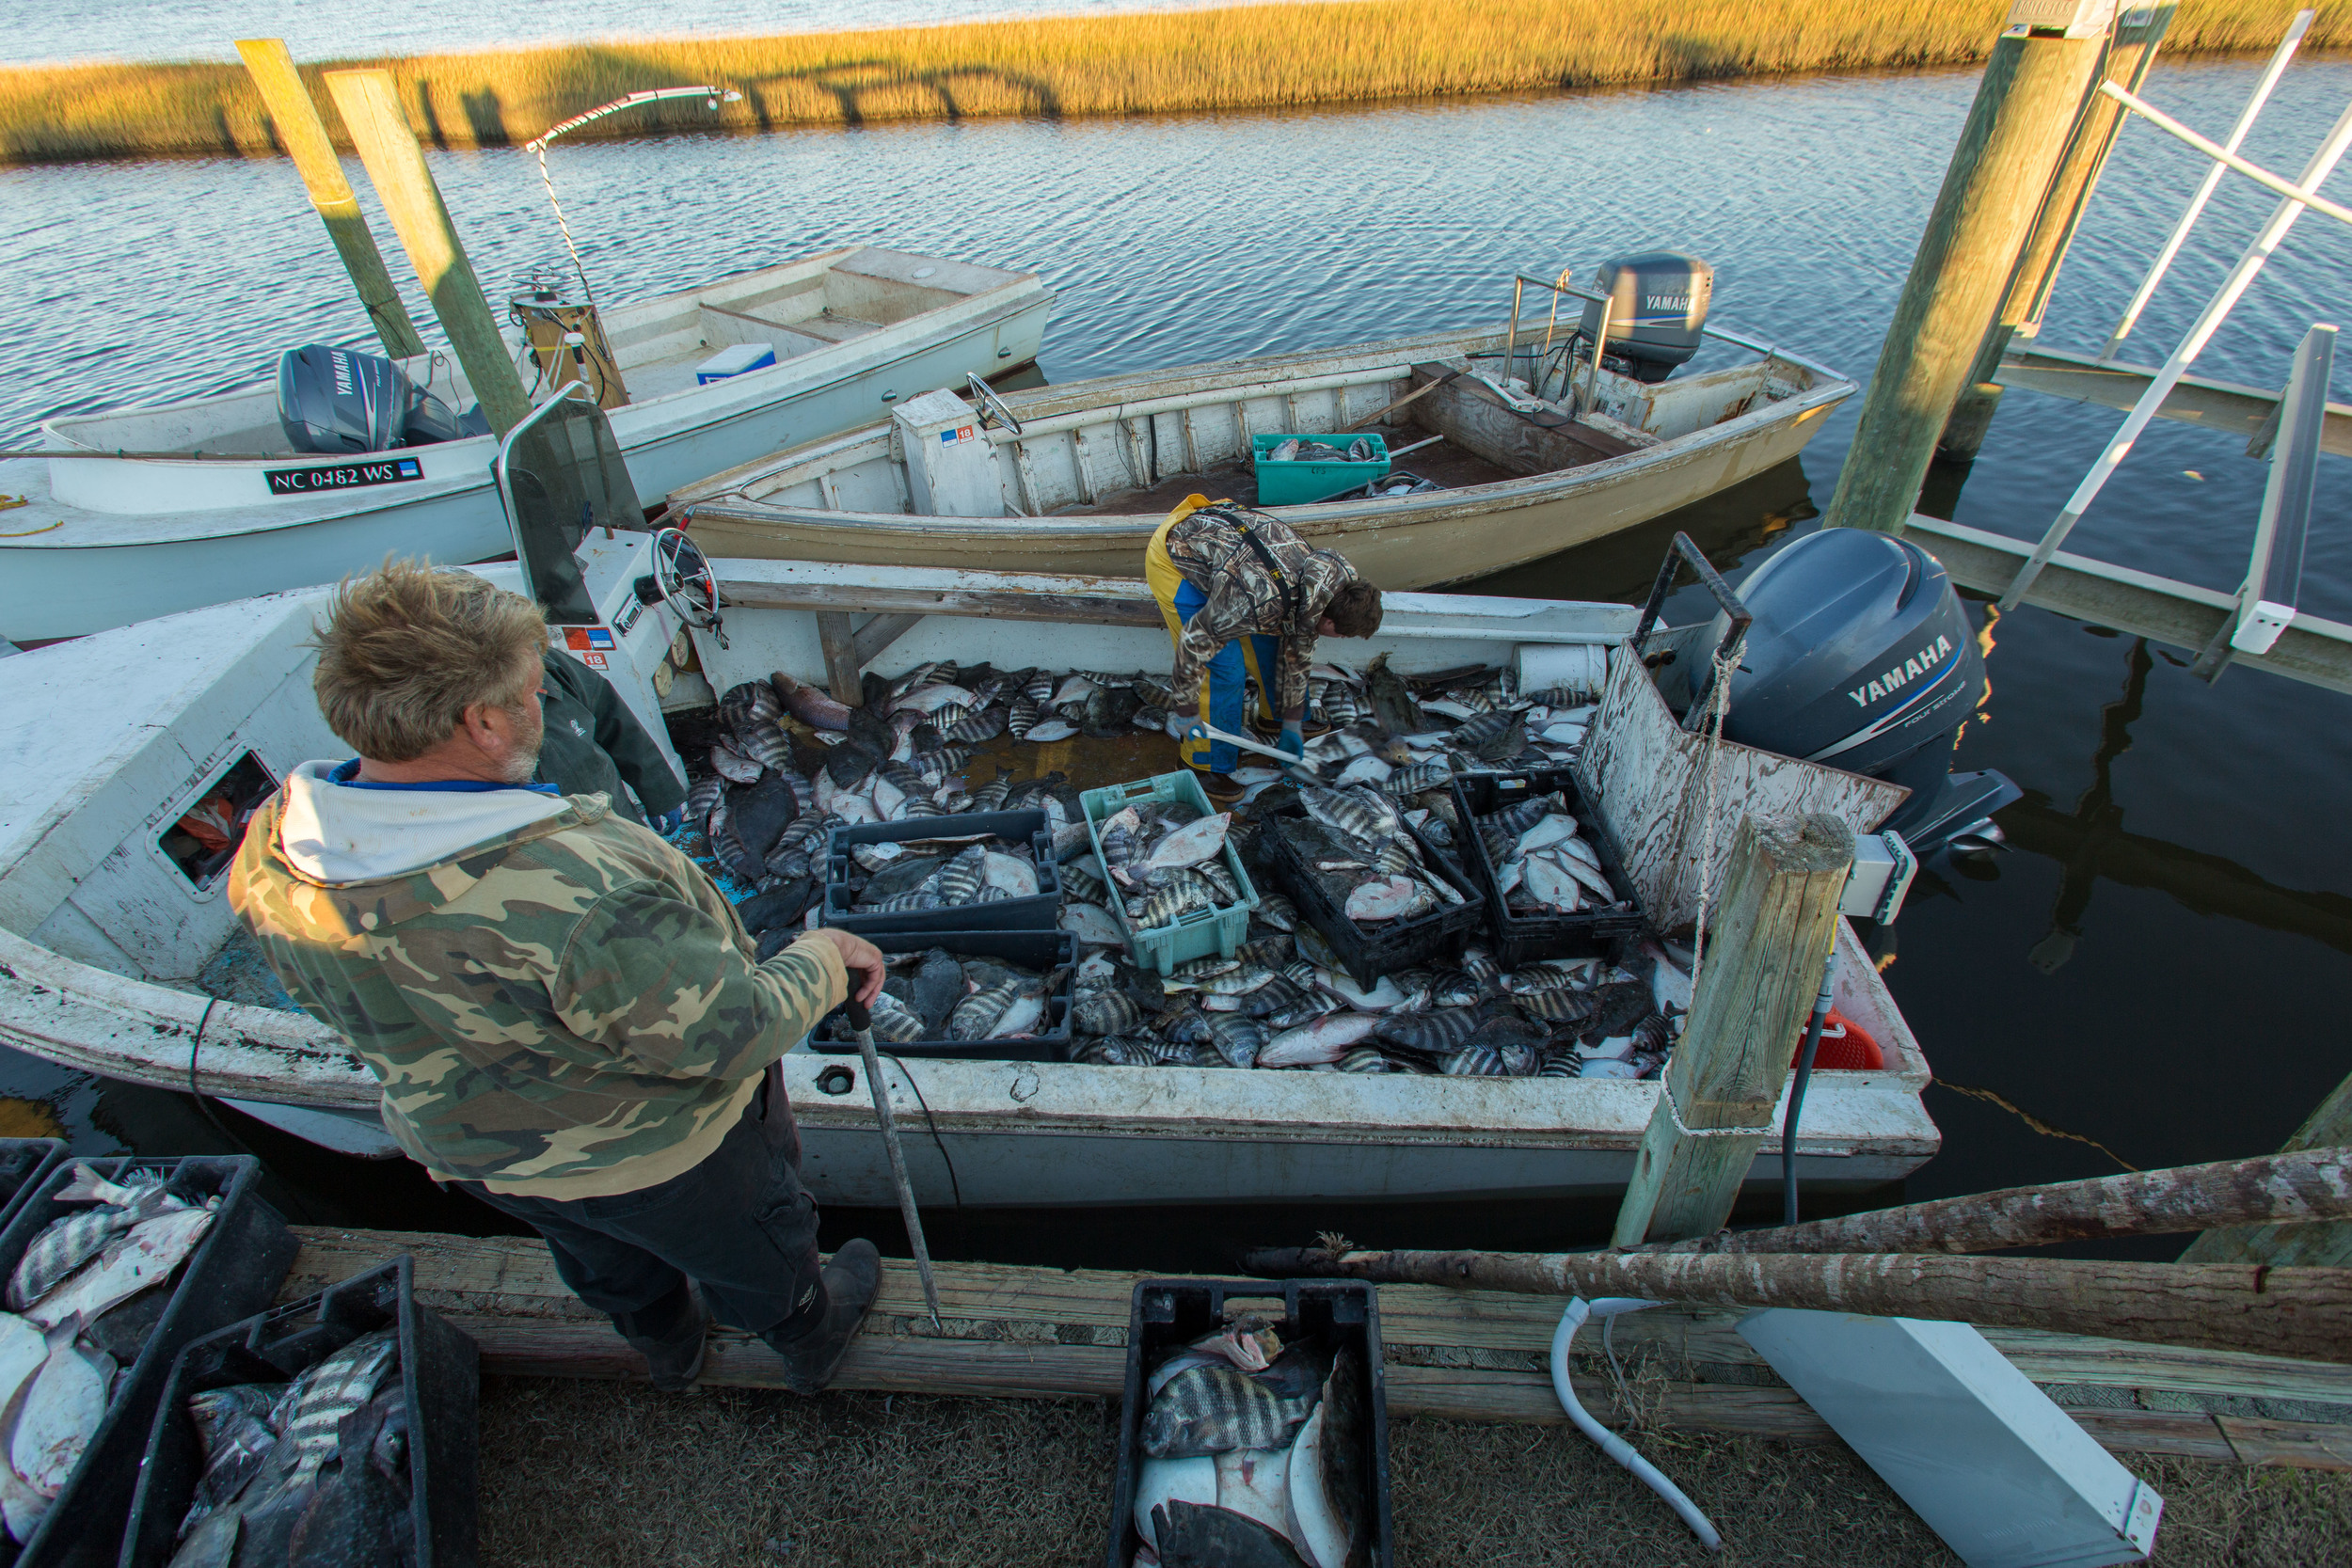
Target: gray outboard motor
[(1861, 657), (335, 400), (1657, 305)]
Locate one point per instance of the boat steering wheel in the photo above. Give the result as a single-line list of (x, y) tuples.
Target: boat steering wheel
[(992, 409), (683, 578)]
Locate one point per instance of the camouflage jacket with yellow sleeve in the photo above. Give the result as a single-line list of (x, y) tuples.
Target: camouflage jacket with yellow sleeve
[(570, 1009)]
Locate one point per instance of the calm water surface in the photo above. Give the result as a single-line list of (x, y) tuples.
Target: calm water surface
[(2091, 979)]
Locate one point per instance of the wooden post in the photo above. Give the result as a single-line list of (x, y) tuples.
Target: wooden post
[(2325, 1244), (836, 638), (2138, 33), (1766, 945), (2007, 151), (2305, 1313), (304, 136), (2299, 1188), (371, 112)]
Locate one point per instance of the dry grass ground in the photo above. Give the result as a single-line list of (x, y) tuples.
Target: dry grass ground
[(1143, 63), (616, 1476)]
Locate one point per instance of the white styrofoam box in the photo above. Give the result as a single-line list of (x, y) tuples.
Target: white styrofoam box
[(735, 359), (951, 466), (2002, 1473)]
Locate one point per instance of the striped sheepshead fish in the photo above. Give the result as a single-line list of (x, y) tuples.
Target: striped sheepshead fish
[(1216, 1408)]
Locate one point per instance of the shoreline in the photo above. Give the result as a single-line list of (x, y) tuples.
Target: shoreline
[(1344, 52)]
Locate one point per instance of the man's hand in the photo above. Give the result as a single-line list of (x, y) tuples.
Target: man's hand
[(862, 958), (1293, 743)]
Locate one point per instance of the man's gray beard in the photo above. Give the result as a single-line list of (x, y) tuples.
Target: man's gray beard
[(520, 769)]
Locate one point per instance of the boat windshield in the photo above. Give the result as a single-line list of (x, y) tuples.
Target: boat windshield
[(559, 475)]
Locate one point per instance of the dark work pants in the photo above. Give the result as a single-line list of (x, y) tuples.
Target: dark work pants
[(739, 1225)]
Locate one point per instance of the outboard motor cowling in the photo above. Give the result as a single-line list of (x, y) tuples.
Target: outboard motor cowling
[(1657, 302), (1861, 657), (338, 400)]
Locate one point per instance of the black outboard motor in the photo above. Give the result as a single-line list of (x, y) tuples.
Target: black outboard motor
[(1657, 305), (335, 401), (1861, 657)]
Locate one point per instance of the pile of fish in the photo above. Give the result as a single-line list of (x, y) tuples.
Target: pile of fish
[(940, 995), (1542, 862), (1162, 860), (82, 1302), (1282, 1001), (790, 763), (1292, 449), (1254, 1455), (314, 1471), (1354, 845), (906, 875)]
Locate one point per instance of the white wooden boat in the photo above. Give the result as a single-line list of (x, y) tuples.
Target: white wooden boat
[(105, 541), (1096, 464), (106, 945)]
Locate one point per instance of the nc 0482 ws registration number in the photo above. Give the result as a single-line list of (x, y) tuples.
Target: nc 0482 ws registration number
[(342, 476)]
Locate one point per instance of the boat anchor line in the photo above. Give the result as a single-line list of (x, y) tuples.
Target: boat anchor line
[(1994, 1096)]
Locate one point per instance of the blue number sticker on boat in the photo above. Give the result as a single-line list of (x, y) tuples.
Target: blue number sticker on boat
[(342, 476)]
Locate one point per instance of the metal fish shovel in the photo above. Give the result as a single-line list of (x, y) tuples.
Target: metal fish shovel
[(862, 1023), (1210, 731)]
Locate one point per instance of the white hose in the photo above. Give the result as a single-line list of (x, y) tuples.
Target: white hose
[(1610, 1444)]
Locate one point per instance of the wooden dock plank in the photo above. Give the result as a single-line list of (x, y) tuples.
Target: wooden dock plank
[(1046, 1333)]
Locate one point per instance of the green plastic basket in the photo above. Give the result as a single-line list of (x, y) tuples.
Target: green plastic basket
[(1194, 935), (1304, 484)]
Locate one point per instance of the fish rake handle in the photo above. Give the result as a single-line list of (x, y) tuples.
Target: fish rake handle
[(860, 1019), (863, 1023)]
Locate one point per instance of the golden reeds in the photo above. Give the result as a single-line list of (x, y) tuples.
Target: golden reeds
[(1263, 56)]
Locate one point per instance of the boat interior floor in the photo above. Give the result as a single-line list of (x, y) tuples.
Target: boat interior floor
[(1445, 464)]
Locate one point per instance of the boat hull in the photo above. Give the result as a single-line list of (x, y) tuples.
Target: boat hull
[(95, 570)]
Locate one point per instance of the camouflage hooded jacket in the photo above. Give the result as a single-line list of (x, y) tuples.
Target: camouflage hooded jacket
[(561, 1005), (1244, 596)]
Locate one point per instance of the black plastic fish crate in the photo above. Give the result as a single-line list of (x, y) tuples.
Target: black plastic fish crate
[(23, 1163), (1167, 1314), (440, 1372), (1039, 912), (1369, 953), (1520, 937), (235, 1270), (1037, 950)]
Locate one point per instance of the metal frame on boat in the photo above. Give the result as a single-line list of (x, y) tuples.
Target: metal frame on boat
[(1095, 465), (104, 937), (148, 511)]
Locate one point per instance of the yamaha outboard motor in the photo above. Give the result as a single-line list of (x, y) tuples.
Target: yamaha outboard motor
[(336, 400), (1861, 657), (1657, 305)]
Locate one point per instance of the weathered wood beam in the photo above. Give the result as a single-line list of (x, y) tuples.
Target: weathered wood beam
[(1770, 938), (2326, 1244), (838, 637), (2293, 1188), (2008, 148), (880, 633), (994, 604), (2137, 35), (2229, 406), (2299, 1312), (2313, 649)]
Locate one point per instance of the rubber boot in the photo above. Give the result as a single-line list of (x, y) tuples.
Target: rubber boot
[(675, 1360), (851, 1280)]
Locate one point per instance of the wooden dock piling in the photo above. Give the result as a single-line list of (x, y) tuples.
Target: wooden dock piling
[(1770, 938), (2009, 148), (396, 163), (304, 136), (2138, 33)]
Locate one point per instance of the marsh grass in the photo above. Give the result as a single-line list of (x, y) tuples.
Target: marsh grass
[(1260, 56)]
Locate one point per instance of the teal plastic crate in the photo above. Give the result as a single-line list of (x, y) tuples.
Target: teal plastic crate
[(1198, 933), (1302, 484)]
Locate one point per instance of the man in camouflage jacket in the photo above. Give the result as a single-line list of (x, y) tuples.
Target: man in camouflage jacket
[(1241, 592), (567, 1016)]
